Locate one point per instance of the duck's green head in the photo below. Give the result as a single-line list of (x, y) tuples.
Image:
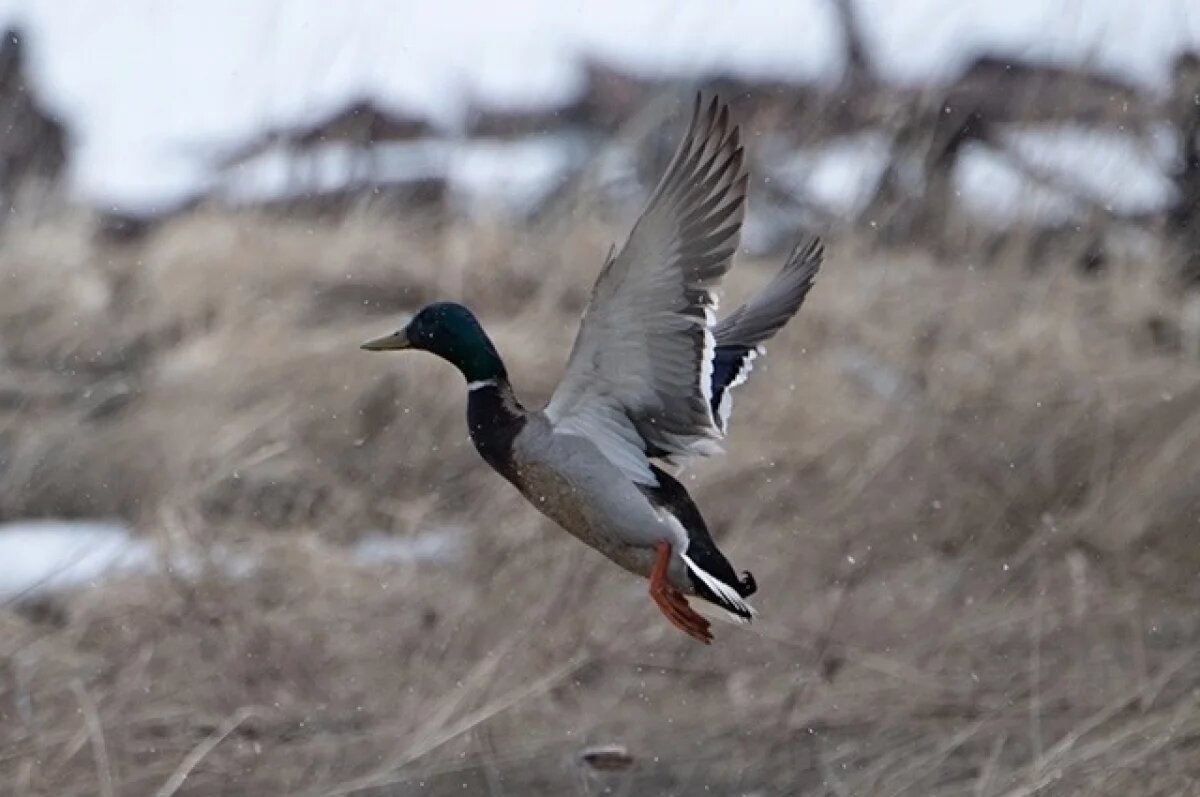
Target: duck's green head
[(452, 332)]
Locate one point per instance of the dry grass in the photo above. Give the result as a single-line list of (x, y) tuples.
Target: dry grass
[(968, 494)]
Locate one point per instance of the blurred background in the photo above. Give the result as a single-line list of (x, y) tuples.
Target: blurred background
[(238, 556)]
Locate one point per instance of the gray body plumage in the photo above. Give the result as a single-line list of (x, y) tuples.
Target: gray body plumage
[(570, 481)]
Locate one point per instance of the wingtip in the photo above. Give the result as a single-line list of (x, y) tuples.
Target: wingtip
[(723, 115), (712, 115), (807, 256), (714, 106), (697, 113), (741, 186)]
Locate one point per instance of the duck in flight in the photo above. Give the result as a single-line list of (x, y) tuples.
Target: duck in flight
[(647, 384)]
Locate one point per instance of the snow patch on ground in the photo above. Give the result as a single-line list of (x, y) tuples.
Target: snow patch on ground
[(40, 557), (441, 544)]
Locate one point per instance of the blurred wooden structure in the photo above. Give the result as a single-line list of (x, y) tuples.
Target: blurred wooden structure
[(1184, 115), (362, 125), (33, 140)]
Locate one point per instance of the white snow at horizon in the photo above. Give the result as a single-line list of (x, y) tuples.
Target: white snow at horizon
[(1119, 172), (841, 175), (1122, 172), (515, 175), (1125, 173), (150, 88)]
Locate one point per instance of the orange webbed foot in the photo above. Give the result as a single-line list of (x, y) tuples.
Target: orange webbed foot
[(671, 601)]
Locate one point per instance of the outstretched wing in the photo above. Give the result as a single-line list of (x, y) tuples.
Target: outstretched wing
[(639, 379), (740, 335)]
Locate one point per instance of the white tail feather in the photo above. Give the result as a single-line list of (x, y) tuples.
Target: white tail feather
[(724, 592)]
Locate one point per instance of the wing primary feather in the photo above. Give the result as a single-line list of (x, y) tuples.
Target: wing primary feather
[(715, 197), (713, 172), (675, 171)]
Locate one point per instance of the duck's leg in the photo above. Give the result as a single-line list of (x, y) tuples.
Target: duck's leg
[(671, 602)]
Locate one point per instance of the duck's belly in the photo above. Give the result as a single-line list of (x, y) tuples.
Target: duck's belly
[(608, 513)]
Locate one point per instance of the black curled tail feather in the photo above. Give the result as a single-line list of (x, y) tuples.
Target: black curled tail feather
[(746, 585)]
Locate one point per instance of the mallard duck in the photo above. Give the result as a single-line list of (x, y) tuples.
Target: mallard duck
[(647, 384)]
